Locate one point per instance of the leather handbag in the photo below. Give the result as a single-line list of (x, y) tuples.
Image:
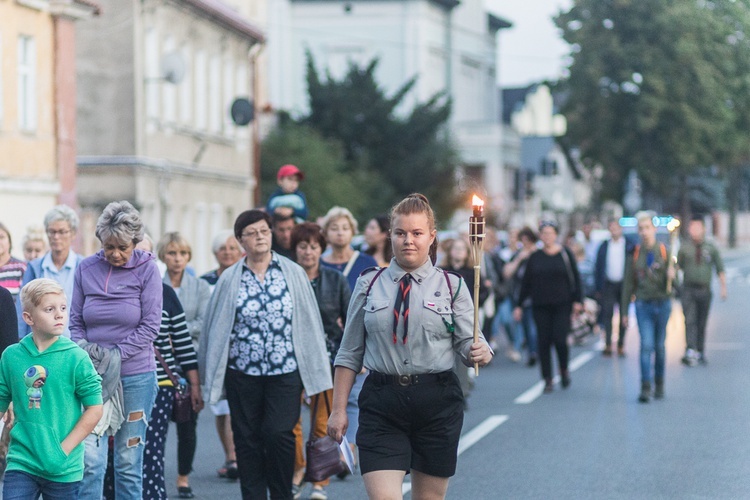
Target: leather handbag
[(182, 407), (322, 453)]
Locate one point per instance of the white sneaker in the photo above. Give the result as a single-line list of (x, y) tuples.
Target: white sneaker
[(690, 358), (318, 494), (513, 355)]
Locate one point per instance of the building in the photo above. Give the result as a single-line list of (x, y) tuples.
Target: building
[(449, 45), (37, 108), (157, 81)]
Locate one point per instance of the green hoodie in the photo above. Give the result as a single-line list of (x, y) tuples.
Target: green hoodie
[(47, 390)]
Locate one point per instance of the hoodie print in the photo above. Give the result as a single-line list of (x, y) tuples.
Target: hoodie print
[(35, 377)]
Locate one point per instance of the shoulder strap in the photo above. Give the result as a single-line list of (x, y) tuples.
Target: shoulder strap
[(350, 264), (636, 251), (663, 249), (568, 268), (372, 282), (450, 288), (164, 365)]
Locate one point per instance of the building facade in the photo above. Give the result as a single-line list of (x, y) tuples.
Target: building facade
[(158, 79), (37, 108), (450, 46)]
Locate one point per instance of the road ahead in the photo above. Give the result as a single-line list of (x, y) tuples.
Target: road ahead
[(593, 440)]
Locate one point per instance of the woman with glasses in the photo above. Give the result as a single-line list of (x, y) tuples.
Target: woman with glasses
[(60, 263), (552, 282), (266, 344)]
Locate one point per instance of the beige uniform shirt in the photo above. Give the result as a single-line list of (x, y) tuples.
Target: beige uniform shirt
[(368, 336)]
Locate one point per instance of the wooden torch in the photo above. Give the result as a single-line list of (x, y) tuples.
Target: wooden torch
[(476, 243), (673, 226)]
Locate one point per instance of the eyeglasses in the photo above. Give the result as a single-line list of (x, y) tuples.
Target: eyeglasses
[(52, 233), (253, 234)]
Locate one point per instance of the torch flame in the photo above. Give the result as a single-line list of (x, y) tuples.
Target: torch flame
[(476, 201), (673, 224)]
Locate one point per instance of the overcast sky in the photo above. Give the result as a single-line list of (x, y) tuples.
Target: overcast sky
[(532, 49)]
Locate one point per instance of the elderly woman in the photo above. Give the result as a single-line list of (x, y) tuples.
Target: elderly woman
[(60, 263), (11, 269), (227, 251), (117, 305), (339, 227), (266, 344), (174, 250), (332, 293)]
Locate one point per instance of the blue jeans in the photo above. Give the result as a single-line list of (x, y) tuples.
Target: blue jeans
[(504, 319), (139, 393), (22, 486), (526, 329), (653, 316)]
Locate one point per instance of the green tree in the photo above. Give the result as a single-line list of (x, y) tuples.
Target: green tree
[(403, 152), (327, 180), (647, 88)]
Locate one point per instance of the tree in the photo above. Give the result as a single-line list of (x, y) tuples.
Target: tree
[(647, 88), (403, 153)]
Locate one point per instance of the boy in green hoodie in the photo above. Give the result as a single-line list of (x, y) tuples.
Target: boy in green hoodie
[(47, 378)]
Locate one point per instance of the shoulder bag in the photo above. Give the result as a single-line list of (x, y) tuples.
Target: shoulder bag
[(322, 453), (182, 408)]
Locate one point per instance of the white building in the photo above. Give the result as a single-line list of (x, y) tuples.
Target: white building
[(168, 143), (449, 45)]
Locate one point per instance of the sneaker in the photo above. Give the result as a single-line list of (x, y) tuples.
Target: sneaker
[(548, 387), (318, 493), (621, 351), (532, 360), (645, 395), (607, 352), (296, 491), (565, 380), (513, 355), (690, 358)]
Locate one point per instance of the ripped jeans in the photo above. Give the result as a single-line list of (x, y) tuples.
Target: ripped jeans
[(139, 393)]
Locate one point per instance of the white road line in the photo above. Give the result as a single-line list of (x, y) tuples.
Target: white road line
[(471, 438), (536, 390)]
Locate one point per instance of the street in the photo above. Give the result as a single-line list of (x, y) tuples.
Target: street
[(593, 440)]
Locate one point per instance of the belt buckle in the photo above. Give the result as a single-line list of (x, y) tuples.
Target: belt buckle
[(404, 380)]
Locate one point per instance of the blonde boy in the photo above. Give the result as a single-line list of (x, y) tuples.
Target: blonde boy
[(48, 378)]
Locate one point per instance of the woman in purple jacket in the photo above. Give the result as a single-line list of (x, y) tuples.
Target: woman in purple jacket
[(117, 302)]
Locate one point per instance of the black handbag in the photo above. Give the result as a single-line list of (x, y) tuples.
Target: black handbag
[(182, 407), (322, 453)]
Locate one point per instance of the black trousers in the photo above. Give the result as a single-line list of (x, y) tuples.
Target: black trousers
[(187, 439), (696, 302), (611, 296), (552, 327), (264, 412)]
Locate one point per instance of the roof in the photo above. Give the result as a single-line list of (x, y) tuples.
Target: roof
[(496, 23), (97, 9), (224, 15), (513, 100)]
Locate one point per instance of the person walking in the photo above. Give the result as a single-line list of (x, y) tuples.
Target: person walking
[(646, 274), (266, 344), (514, 271), (117, 305), (698, 258), (405, 322), (554, 285), (608, 275)]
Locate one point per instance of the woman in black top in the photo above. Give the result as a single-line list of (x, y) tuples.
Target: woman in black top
[(8, 320), (553, 283)]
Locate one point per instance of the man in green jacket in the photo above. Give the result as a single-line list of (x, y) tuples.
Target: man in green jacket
[(698, 258), (646, 275)]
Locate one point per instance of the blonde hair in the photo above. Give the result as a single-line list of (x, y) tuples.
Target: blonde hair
[(417, 203), (34, 233), (173, 238), (336, 213), (34, 290), (644, 215)]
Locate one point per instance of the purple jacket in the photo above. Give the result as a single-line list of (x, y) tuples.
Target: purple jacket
[(119, 307)]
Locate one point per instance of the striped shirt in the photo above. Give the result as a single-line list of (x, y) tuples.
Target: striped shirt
[(173, 341), (11, 274)]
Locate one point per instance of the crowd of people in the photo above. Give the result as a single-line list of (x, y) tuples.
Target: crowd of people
[(377, 339)]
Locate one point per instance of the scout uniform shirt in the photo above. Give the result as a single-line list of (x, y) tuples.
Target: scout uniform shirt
[(697, 262), (436, 328), (645, 274)]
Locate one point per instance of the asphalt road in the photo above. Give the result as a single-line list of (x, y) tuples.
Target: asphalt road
[(593, 440)]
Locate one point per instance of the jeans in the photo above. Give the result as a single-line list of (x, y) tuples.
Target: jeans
[(652, 316), (264, 411), (22, 486), (139, 394), (504, 319), (526, 329)]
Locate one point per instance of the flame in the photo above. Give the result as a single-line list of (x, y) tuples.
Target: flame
[(476, 201), (673, 224)]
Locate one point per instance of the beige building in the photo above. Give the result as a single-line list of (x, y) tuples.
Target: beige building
[(157, 79), (37, 108)]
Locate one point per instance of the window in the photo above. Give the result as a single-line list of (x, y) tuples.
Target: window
[(186, 89), (214, 95), (27, 99), (201, 90)]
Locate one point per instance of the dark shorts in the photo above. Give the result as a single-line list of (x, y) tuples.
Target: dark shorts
[(413, 427)]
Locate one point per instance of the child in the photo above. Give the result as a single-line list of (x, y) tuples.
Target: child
[(288, 200), (47, 378)]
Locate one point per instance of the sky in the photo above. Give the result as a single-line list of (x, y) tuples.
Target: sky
[(531, 50)]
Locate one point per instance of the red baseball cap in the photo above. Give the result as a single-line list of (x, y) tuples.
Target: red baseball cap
[(288, 171)]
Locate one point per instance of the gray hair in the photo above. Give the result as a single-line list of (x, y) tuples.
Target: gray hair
[(122, 221), (61, 213), (220, 238), (643, 215), (336, 213)]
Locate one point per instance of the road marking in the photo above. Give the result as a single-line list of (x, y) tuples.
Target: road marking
[(537, 389), (470, 439)]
